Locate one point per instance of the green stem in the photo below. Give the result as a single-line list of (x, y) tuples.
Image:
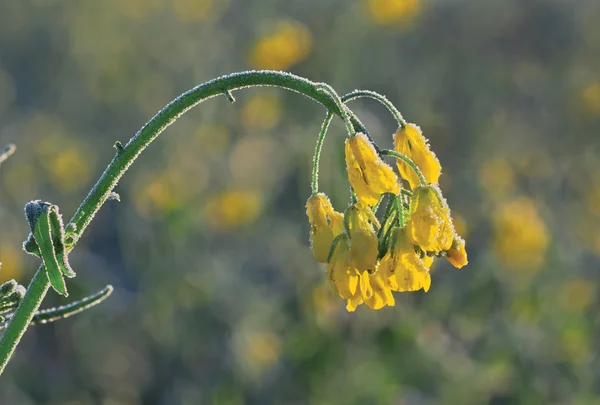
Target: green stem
[(317, 155), (341, 106), (127, 154), (400, 207), (408, 161), (379, 97), (18, 325)]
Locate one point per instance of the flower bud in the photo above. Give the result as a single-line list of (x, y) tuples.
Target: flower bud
[(368, 174), (410, 142), (457, 255), (430, 226), (363, 241), (325, 223)]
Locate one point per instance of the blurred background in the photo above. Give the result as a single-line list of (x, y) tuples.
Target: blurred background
[(218, 299)]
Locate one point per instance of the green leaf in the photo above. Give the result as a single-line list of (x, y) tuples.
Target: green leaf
[(43, 238), (65, 267), (58, 239)]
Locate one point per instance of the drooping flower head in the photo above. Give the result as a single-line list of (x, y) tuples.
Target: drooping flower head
[(368, 259), (430, 226), (368, 174), (410, 142), (325, 223)]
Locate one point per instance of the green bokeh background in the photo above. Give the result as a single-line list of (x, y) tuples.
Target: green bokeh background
[(218, 299)]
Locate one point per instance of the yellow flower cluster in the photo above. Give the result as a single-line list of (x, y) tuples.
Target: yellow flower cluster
[(366, 258)]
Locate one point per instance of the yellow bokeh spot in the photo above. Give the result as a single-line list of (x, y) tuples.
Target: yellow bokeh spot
[(497, 177), (524, 310), (596, 244), (288, 43), (71, 169), (12, 263), (262, 349), (590, 98), (262, 111), (386, 12), (577, 295), (232, 209), (592, 199), (576, 344), (163, 193), (460, 225), (521, 236)]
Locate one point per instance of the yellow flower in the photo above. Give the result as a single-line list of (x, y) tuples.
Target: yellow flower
[(368, 174), (410, 142), (457, 255), (363, 241), (382, 294), (345, 280), (325, 225), (401, 268), (430, 226)]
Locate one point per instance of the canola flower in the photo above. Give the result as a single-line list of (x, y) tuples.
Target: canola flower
[(369, 258)]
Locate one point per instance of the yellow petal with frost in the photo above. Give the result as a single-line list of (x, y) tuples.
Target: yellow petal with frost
[(320, 242), (382, 295), (430, 226), (368, 174), (410, 142)]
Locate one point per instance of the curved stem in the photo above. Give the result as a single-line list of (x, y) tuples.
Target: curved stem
[(127, 154), (408, 161), (379, 97), (317, 155), (175, 109), (341, 106)]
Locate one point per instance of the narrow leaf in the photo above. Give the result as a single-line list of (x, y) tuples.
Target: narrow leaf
[(43, 238), (65, 311)]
